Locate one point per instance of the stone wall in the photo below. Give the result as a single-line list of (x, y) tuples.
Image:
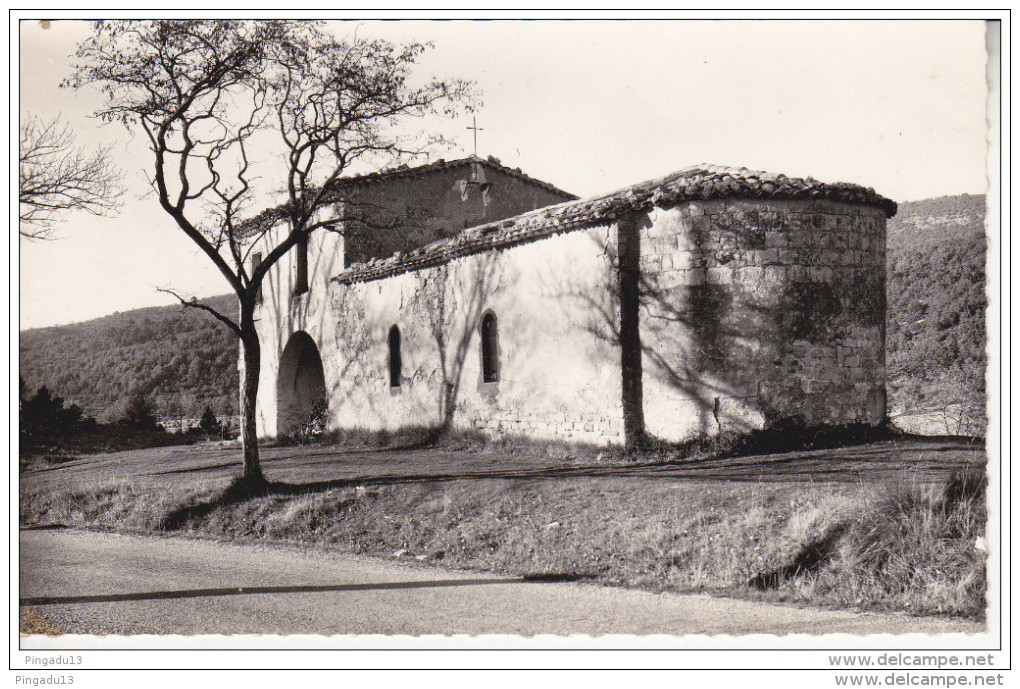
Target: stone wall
[(758, 310), (405, 212)]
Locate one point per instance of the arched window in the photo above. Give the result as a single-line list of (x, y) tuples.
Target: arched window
[(490, 349), (395, 366), (301, 270), (256, 261)]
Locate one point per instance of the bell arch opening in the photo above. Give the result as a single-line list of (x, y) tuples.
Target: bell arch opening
[(301, 388)]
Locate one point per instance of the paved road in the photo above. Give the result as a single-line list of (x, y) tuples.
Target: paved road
[(92, 583)]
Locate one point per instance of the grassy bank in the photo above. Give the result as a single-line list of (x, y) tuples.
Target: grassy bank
[(894, 545)]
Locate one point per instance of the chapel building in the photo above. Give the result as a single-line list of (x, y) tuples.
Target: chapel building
[(467, 295)]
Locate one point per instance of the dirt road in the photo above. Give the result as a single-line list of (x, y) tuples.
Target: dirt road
[(98, 583)]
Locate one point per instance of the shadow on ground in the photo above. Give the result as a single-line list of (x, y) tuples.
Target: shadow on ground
[(810, 559), (917, 459), (176, 594), (253, 590)]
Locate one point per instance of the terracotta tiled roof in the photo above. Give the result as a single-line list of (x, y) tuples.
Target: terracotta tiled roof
[(698, 182), (271, 216)]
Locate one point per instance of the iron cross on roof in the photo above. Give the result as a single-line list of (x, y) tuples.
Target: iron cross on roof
[(474, 126)]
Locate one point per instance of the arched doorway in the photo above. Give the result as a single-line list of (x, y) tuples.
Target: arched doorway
[(300, 386)]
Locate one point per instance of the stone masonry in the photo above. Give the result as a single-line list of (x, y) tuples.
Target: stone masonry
[(755, 311)]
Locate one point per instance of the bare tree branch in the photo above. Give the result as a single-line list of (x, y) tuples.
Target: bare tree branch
[(56, 178), (195, 304), (203, 90)]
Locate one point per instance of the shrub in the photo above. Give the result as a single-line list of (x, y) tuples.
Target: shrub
[(314, 427), (139, 412), (44, 417), (209, 424)]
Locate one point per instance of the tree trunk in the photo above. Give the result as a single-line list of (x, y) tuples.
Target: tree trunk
[(249, 394)]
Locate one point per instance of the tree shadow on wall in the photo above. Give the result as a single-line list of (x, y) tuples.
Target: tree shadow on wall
[(720, 331), (444, 308), (453, 304), (682, 363), (354, 328), (451, 310)]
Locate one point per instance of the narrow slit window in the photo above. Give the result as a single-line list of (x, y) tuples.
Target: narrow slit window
[(395, 365), (301, 261), (490, 349), (256, 261)]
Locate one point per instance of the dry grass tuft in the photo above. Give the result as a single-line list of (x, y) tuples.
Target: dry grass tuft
[(915, 548)]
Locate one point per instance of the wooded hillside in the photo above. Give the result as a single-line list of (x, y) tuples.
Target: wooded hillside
[(183, 358), (186, 360), (936, 293)]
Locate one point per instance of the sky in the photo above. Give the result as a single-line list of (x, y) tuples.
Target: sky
[(590, 106)]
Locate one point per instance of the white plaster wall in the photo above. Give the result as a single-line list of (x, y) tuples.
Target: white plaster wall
[(558, 379), (282, 313)]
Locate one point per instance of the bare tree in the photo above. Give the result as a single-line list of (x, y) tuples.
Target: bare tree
[(222, 102), (56, 177)]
